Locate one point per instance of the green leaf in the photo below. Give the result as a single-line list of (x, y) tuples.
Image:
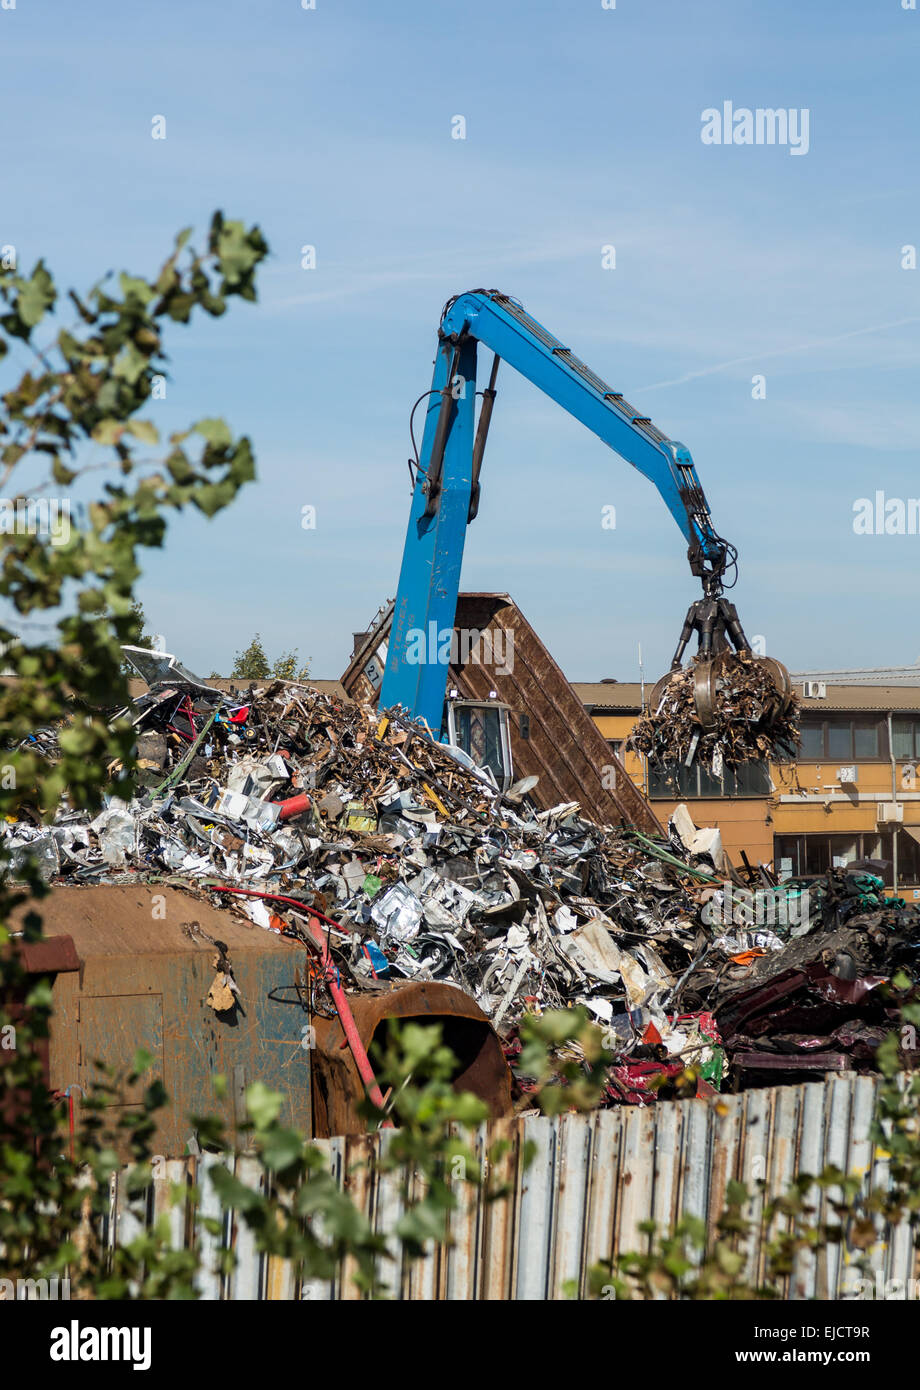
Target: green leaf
[(180, 307), (61, 474), (886, 1055), (36, 296), (130, 364), (264, 1105), (426, 1221), (211, 497), (232, 1192), (216, 432), (108, 431), (144, 430), (134, 288), (235, 254), (281, 1148)]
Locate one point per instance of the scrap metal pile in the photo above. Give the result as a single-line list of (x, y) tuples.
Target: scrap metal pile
[(719, 712), (285, 801), (814, 997)]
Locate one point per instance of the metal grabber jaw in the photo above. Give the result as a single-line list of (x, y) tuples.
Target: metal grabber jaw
[(719, 631)]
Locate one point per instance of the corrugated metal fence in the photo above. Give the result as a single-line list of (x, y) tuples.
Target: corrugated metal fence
[(593, 1180)]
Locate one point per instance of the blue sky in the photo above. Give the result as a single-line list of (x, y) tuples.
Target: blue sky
[(332, 127)]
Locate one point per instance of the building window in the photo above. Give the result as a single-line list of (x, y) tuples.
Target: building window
[(676, 782), (841, 739), (811, 743), (798, 855), (905, 738), (908, 859), (617, 747)]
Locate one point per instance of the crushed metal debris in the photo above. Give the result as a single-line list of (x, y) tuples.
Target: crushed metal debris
[(297, 808), (719, 712)]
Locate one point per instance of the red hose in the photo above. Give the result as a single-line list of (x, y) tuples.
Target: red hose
[(346, 1017), (331, 974)]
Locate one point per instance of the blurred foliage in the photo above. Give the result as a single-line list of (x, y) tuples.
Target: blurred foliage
[(73, 412)]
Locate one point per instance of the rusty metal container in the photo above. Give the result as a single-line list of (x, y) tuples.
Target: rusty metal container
[(145, 969), (481, 1065)]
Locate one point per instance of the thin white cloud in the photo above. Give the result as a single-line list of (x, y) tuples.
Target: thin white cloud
[(758, 357), (347, 282)]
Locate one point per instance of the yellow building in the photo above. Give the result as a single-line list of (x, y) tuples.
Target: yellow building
[(853, 793)]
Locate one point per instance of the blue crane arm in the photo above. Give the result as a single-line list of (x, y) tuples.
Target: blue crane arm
[(446, 492)]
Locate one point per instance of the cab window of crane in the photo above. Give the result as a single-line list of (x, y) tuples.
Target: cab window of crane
[(479, 735)]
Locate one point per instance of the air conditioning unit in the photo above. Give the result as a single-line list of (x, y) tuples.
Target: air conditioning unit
[(815, 690), (888, 811)]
